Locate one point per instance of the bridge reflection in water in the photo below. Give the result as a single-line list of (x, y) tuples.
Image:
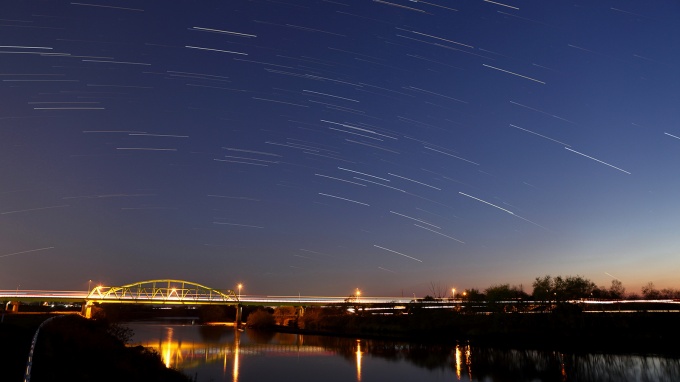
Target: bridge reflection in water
[(182, 352), (189, 354), (228, 354)]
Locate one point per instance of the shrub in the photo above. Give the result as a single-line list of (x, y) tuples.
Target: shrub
[(260, 319)]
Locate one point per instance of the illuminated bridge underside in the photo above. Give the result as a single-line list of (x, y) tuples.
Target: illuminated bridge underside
[(177, 292)]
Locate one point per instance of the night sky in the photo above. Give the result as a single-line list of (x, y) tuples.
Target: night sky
[(316, 147)]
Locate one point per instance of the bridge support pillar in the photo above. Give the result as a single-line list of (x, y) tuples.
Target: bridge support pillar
[(86, 310), (15, 306), (239, 313)]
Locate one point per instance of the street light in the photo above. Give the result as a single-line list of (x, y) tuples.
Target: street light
[(453, 292), (239, 291), (89, 286)]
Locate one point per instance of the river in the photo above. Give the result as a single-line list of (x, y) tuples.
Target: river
[(221, 353)]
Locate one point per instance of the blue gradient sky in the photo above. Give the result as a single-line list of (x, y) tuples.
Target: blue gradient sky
[(316, 147)]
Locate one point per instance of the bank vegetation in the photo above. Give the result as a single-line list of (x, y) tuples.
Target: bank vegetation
[(564, 312)]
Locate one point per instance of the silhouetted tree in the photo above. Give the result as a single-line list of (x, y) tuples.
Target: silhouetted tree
[(670, 293), (573, 287), (649, 292), (616, 290), (437, 290), (600, 292), (562, 289), (120, 332), (473, 294), (543, 288), (504, 292)]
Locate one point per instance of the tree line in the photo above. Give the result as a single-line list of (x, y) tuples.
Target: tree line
[(559, 288)]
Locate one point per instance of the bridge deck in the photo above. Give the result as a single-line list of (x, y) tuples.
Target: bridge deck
[(254, 300)]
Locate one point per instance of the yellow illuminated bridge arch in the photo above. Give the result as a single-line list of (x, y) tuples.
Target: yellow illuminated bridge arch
[(162, 292)]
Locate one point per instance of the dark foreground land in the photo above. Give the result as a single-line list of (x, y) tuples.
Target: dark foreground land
[(71, 348)]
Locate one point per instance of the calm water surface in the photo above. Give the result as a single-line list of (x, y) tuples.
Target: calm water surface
[(219, 353)]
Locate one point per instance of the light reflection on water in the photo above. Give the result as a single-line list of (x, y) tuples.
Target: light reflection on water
[(214, 353), (359, 360)]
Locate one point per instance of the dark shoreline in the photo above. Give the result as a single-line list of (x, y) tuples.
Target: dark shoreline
[(640, 333)]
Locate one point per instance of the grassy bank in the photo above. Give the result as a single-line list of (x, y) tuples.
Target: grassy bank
[(71, 348), (16, 333)]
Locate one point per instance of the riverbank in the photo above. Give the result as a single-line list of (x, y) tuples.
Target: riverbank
[(72, 348), (568, 331), (16, 334)]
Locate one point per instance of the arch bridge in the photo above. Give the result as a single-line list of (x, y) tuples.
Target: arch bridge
[(181, 292), (174, 292), (162, 292)]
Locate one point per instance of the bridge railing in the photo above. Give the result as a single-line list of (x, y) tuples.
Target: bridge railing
[(324, 299), (41, 292), (208, 296)]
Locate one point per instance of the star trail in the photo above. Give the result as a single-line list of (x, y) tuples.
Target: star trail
[(377, 135)]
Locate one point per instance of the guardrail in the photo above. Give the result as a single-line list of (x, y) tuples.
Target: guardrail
[(29, 361)]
